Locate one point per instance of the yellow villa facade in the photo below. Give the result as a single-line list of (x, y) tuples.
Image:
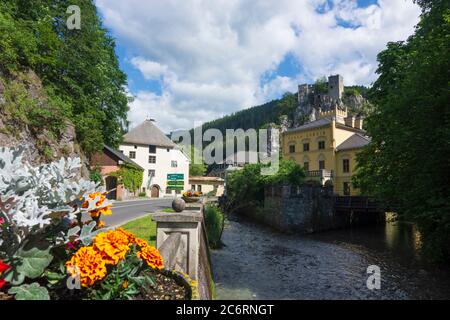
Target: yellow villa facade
[(326, 148)]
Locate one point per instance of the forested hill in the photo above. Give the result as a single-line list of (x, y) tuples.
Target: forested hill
[(271, 112), (258, 116), (58, 87)]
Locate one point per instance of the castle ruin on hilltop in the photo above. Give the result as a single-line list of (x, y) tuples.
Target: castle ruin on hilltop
[(314, 105)]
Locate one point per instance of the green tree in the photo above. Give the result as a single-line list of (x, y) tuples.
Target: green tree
[(79, 67), (407, 163), (321, 85), (245, 188), (196, 169)]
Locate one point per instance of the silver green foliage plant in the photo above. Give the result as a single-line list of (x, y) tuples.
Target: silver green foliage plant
[(37, 207)]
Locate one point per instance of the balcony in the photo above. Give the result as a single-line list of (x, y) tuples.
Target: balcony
[(320, 175)]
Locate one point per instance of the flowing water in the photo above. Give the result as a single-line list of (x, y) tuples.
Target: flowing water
[(259, 263)]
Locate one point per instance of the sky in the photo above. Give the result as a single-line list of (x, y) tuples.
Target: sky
[(191, 61)]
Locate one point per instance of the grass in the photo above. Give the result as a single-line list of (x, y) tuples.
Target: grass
[(168, 210), (144, 228)]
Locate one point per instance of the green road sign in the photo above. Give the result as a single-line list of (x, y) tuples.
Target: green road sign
[(175, 187), (175, 176), (175, 183)]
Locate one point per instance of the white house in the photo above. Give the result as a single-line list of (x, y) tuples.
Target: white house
[(150, 148)]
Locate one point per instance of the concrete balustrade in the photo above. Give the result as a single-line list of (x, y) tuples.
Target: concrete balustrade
[(181, 239)]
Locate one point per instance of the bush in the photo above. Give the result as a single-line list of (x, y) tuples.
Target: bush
[(245, 188), (214, 221), (142, 194), (96, 176)]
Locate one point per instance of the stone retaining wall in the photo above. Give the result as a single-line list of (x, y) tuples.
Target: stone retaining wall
[(306, 209)]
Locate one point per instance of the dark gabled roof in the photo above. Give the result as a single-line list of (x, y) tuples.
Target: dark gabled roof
[(354, 142), (121, 156), (311, 125), (148, 134)]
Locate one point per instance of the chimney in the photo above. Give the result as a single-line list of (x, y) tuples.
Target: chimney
[(349, 121), (359, 122)]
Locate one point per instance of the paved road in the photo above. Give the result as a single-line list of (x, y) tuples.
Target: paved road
[(130, 210)]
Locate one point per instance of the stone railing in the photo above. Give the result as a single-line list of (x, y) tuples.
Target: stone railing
[(321, 175), (181, 239)]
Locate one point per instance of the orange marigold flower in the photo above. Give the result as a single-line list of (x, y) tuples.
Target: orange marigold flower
[(88, 264), (106, 211), (129, 235), (113, 244), (141, 242), (151, 256)]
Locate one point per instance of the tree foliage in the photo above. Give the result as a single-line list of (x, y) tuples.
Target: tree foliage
[(321, 85), (130, 176), (78, 67), (258, 116), (245, 188), (407, 164)]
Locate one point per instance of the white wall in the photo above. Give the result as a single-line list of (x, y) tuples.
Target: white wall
[(162, 166)]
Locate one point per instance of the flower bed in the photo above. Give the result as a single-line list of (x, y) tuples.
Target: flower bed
[(49, 251), (192, 196)]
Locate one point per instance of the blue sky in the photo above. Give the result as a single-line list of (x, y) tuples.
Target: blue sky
[(193, 61)]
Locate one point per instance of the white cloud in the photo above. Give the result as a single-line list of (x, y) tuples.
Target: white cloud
[(211, 55), (150, 69)]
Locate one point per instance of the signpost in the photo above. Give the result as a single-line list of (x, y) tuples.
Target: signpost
[(175, 181)]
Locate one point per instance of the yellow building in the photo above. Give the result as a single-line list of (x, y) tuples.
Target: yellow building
[(326, 148), (213, 186)]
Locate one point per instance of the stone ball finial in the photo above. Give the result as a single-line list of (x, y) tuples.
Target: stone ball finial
[(178, 205)]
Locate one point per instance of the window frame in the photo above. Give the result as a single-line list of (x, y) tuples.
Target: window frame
[(346, 165), (320, 166), (346, 188), (152, 159), (306, 165), (305, 146)]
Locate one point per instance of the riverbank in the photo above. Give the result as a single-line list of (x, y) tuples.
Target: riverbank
[(259, 263)]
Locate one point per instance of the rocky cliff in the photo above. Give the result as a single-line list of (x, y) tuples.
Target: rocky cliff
[(28, 119)]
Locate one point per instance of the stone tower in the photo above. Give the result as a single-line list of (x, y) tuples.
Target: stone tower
[(335, 87), (303, 92)]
